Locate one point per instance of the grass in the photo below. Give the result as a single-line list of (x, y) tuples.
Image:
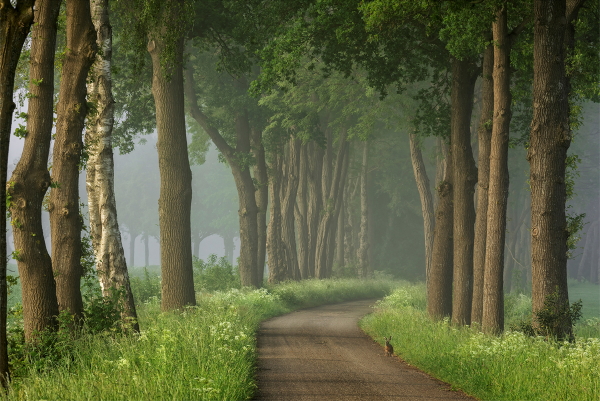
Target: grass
[(510, 367), (207, 352)]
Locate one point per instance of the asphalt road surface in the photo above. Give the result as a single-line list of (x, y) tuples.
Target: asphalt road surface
[(321, 354)]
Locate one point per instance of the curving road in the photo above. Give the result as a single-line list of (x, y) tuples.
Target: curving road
[(321, 354)]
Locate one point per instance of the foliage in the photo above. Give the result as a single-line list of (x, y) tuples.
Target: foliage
[(557, 314), (215, 274), (145, 288)]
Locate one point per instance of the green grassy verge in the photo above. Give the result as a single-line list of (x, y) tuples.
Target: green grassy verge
[(206, 352), (510, 367)]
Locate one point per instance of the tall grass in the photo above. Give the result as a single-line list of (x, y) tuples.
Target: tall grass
[(510, 367), (207, 352)]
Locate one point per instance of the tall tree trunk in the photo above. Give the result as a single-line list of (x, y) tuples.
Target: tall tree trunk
[(550, 138), (248, 212), (363, 247), (262, 199), (331, 236), (493, 295), (104, 226), (14, 28), (277, 270), (301, 214), (288, 201), (175, 202), (321, 249), (315, 204), (72, 108), (426, 200), (484, 134), (439, 285), (31, 179), (465, 178)]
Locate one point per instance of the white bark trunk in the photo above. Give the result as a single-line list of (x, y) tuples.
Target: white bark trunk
[(104, 228)]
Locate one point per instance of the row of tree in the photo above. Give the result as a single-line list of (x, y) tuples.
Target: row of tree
[(321, 68)]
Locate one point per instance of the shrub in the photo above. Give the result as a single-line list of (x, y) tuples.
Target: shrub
[(145, 288), (215, 274)]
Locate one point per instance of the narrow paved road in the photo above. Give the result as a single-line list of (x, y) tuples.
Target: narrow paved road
[(321, 354)]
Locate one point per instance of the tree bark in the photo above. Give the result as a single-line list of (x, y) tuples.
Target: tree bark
[(315, 203), (439, 285), (104, 225), (363, 247), (426, 200), (493, 295), (332, 188), (174, 204), (301, 214), (65, 218), (465, 178), (262, 199), (484, 134), (31, 179), (277, 269), (549, 140), (288, 201)]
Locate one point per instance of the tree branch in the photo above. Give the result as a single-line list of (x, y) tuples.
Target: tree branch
[(573, 7), (201, 118)]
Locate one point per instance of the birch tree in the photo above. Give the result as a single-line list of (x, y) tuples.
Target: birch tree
[(104, 226)]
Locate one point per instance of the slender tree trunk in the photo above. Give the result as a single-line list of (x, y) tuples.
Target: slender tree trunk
[(174, 205), (104, 226), (426, 200), (72, 108), (363, 247), (132, 238), (14, 28), (484, 134), (439, 285), (301, 214), (248, 212), (337, 212), (321, 268), (315, 202), (146, 239), (262, 199), (288, 200), (493, 295), (550, 138), (30, 181), (277, 270), (465, 178)]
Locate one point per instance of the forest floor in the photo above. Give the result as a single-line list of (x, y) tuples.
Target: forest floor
[(321, 354)]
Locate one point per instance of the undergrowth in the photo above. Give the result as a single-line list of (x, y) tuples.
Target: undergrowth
[(205, 352), (514, 366)]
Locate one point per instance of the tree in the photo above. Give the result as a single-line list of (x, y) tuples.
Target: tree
[(15, 22), (238, 158), (31, 179), (104, 226), (72, 108), (166, 50), (550, 138), (484, 134)]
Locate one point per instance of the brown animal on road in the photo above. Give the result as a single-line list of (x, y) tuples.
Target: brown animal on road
[(389, 350)]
